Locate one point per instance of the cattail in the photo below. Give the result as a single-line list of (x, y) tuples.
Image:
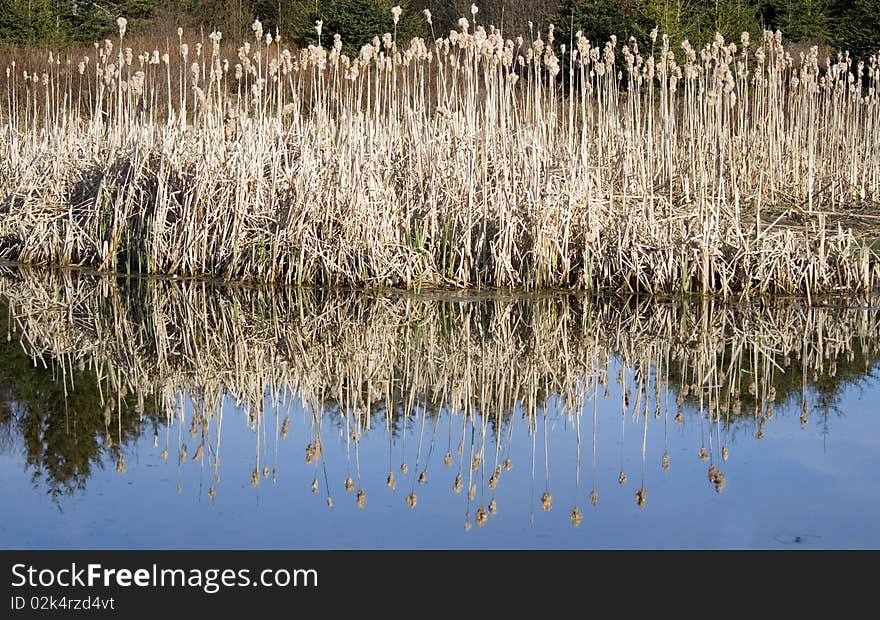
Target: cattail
[(411, 500), (122, 23), (546, 501), (395, 14)]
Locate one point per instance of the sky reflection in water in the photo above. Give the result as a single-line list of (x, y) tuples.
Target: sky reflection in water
[(279, 435)]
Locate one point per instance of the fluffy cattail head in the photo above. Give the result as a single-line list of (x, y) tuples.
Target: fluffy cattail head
[(122, 23), (395, 14)]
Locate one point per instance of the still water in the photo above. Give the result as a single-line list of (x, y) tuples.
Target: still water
[(155, 414)]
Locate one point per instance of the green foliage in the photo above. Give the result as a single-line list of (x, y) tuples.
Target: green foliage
[(801, 20), (58, 22), (695, 20), (356, 21), (856, 27)]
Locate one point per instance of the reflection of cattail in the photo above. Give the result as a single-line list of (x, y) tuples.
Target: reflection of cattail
[(390, 481), (164, 454), (183, 453), (472, 491), (155, 439), (576, 516), (447, 459), (703, 455), (349, 484), (467, 526), (423, 477), (404, 468), (285, 428), (475, 462), (212, 492), (679, 418), (361, 498), (255, 477), (198, 455), (456, 486), (411, 500), (493, 507), (641, 497), (665, 461), (329, 502), (481, 517), (315, 485), (724, 453), (120, 464), (265, 472), (507, 465), (621, 479), (546, 501), (594, 497)]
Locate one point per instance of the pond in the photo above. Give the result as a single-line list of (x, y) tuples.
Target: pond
[(165, 414)]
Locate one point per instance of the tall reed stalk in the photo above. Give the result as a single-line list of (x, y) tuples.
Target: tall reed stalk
[(469, 161)]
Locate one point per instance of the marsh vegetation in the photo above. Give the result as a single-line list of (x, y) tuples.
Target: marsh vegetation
[(465, 160)]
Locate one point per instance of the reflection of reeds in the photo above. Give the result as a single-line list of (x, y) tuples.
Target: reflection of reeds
[(408, 358)]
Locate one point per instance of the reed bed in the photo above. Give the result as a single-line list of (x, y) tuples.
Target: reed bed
[(467, 161), (372, 363)]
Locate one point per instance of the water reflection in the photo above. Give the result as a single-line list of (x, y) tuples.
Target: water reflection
[(387, 390)]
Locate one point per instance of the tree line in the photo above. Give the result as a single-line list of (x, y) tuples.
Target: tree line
[(835, 24)]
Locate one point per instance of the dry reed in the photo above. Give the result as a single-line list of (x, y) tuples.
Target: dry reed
[(472, 160)]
